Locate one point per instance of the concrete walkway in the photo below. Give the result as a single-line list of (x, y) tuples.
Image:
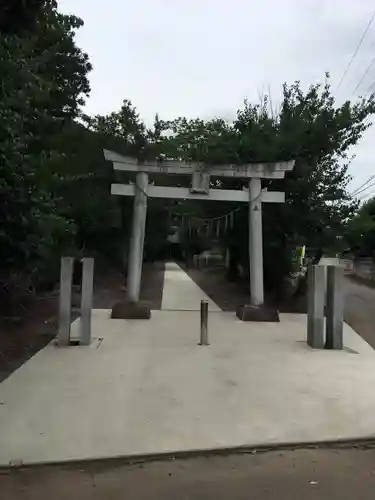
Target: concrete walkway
[(181, 293), (146, 387)]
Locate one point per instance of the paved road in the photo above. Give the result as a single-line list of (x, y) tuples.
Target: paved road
[(359, 305), (303, 474), (360, 309)]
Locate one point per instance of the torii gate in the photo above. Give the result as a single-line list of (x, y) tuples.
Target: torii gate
[(199, 190)]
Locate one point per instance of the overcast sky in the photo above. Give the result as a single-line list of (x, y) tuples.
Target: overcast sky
[(203, 57)]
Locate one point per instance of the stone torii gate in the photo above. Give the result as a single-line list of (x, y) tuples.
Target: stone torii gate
[(199, 190)]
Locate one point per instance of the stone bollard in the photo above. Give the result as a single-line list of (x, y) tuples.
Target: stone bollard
[(315, 310), (86, 300), (65, 305), (204, 323), (335, 307)]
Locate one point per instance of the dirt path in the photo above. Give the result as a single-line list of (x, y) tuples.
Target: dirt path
[(335, 474), (110, 287), (34, 328)]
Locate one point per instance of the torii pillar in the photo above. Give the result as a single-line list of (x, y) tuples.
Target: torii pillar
[(137, 236), (200, 190), (256, 243)]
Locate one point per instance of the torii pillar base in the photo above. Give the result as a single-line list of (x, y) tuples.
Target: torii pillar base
[(126, 309), (257, 313)]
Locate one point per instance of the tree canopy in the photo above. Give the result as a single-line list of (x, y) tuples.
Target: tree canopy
[(18, 15), (359, 235), (44, 80), (309, 128), (54, 182)]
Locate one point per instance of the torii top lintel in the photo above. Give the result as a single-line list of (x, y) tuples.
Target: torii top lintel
[(275, 170)]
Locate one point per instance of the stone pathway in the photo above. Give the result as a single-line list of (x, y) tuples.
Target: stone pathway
[(180, 293)]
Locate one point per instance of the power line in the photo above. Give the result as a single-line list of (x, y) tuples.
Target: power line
[(356, 51), (365, 195), (370, 87), (365, 188), (368, 196), (370, 90), (362, 185), (364, 75)]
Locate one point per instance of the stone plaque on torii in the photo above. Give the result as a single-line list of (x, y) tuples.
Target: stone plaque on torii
[(199, 190)]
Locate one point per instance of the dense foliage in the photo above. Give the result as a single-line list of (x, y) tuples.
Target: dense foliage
[(359, 236), (309, 128), (43, 81), (54, 182), (19, 15)]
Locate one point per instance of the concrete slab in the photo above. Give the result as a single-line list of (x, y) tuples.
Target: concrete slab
[(147, 387), (180, 293)]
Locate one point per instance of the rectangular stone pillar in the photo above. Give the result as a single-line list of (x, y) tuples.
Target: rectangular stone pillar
[(256, 243), (86, 300), (335, 307), (65, 306), (137, 236), (315, 309)]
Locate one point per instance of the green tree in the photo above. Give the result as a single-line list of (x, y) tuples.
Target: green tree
[(18, 15), (360, 231), (318, 135), (309, 128), (126, 133), (81, 184), (43, 81), (124, 125)]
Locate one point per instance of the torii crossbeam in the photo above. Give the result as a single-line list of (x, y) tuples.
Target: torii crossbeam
[(200, 190)]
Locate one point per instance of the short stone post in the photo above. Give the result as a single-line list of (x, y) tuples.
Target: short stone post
[(65, 306), (204, 323), (315, 310), (86, 300), (335, 307)]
